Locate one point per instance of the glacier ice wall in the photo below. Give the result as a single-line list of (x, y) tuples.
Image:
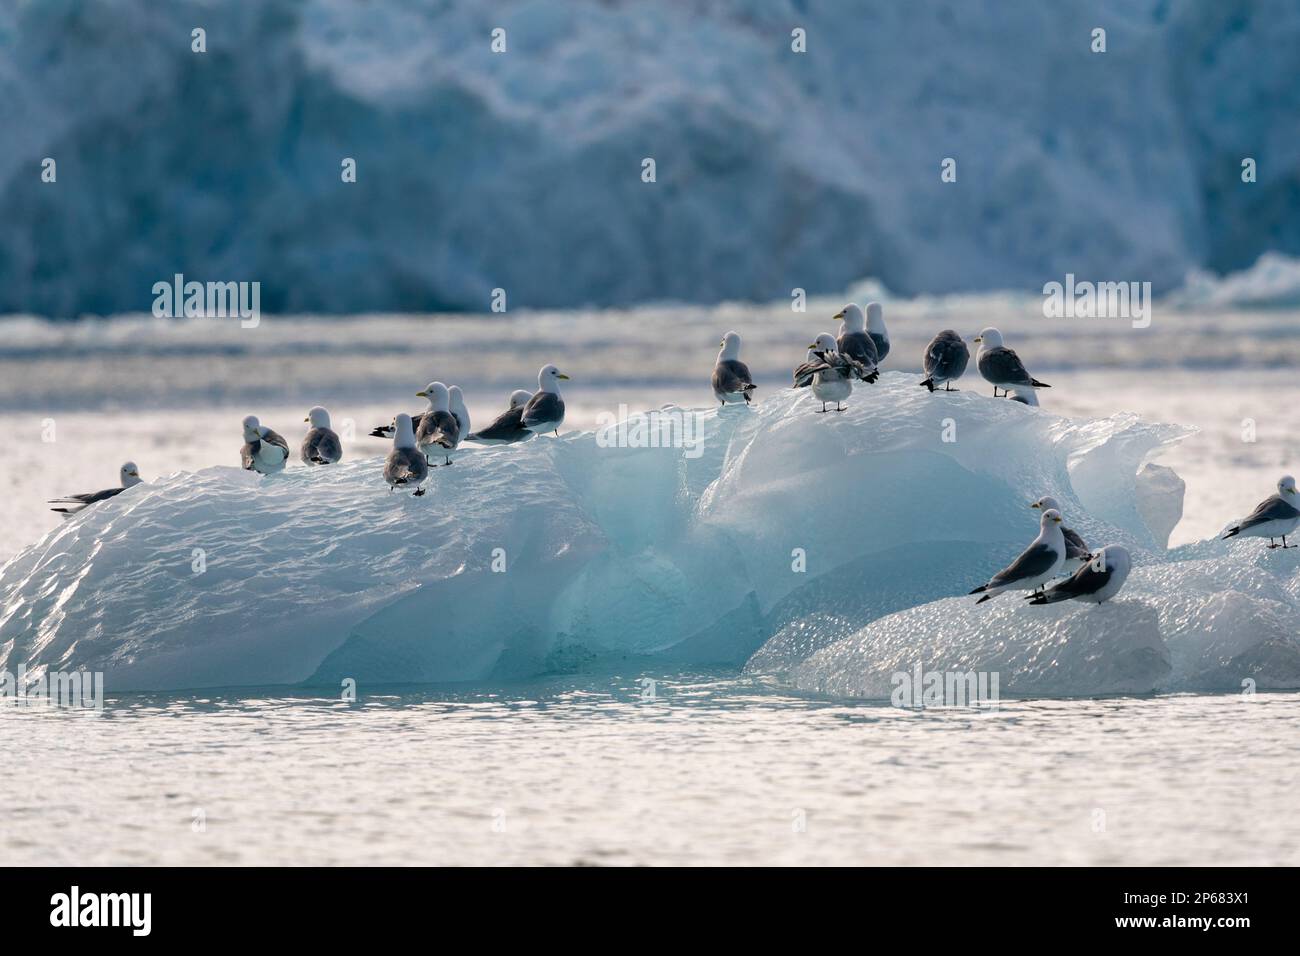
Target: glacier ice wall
[(781, 531), (775, 169)]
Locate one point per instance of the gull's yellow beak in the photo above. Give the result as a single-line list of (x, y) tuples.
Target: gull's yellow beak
[(421, 394), (977, 339), (813, 346), (1057, 520), (1035, 505), (307, 419), (562, 375), (838, 315)]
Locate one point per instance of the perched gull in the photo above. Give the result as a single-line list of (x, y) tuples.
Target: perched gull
[(405, 465), (1276, 516), (876, 330), (1036, 565), (855, 343), (1001, 366), (1098, 580), (321, 446), (1076, 549), (508, 427), (731, 381), (264, 451), (456, 401), (439, 428), (128, 474), (827, 371), (545, 410), (945, 360)]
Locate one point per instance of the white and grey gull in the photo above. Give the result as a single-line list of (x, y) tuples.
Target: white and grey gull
[(945, 360), (1035, 566), (545, 410), (1275, 517), (1097, 580), (439, 430), (321, 445), (405, 465), (855, 343), (265, 451), (1001, 366), (128, 475), (731, 380)]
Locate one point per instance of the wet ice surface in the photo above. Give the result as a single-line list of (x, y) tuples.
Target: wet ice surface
[(713, 770)]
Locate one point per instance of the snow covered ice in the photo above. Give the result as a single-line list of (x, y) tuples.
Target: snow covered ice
[(780, 537)]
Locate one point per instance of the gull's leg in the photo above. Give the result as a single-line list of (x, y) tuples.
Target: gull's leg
[(823, 407), (418, 493), (1272, 543), (448, 457)]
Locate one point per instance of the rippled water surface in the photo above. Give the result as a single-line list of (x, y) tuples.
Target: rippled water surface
[(595, 770)]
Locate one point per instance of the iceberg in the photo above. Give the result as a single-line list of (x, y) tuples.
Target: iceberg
[(764, 535)]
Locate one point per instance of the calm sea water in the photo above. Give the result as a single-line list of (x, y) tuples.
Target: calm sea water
[(592, 770)]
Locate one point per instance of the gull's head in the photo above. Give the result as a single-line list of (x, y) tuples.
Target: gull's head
[(875, 318), (730, 346), (252, 428), (129, 474), (318, 417), (438, 395), (825, 343), (1047, 502), (403, 432), (852, 318), (549, 378), (520, 396), (1051, 517), (456, 396), (1286, 486), (990, 338)]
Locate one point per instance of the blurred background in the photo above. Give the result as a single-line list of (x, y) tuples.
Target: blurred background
[(522, 170)]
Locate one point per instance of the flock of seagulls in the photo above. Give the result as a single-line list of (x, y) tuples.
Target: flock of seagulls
[(832, 366)]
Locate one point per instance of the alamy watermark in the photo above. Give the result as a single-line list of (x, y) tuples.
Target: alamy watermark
[(944, 689), (1098, 300), (663, 428), (71, 689), (208, 300)]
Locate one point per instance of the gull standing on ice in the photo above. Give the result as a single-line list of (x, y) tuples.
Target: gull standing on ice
[(828, 372), (128, 475), (1097, 581), (545, 410), (945, 360), (1037, 564), (264, 451), (508, 427), (321, 446), (1001, 366), (855, 343), (406, 464), (876, 330), (731, 381), (457, 404), (1275, 517), (1076, 549), (439, 431)]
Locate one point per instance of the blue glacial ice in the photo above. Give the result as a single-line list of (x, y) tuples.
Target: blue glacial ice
[(774, 541)]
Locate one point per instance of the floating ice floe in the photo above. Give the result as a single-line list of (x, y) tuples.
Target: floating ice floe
[(776, 535)]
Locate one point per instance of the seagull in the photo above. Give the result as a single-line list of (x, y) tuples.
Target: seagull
[(828, 372), (1076, 549), (945, 360), (457, 405), (545, 410), (876, 330), (405, 465), (128, 475), (1275, 517), (438, 426), (1036, 565), (321, 446), (508, 427), (1097, 580), (264, 451), (1001, 366), (731, 380), (855, 343)]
